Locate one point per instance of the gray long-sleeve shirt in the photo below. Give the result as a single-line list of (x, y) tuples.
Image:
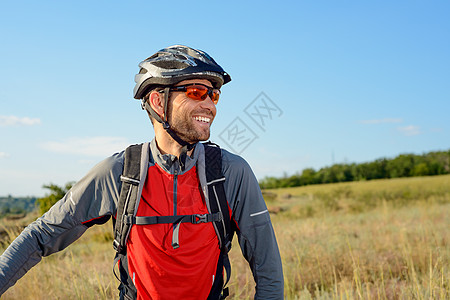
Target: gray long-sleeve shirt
[(96, 196)]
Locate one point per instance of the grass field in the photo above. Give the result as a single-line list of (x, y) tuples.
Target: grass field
[(383, 239)]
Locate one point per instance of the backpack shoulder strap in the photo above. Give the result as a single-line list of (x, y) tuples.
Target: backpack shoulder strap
[(126, 206), (128, 194), (218, 203), (216, 191)]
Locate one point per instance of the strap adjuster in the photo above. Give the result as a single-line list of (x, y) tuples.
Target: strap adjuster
[(116, 246), (227, 246), (197, 219), (129, 219)]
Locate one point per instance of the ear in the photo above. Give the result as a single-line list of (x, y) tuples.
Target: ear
[(156, 102)]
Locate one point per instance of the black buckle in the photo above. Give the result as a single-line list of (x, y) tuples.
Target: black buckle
[(227, 246), (197, 219), (225, 293)]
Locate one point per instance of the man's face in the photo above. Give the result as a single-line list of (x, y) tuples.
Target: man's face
[(191, 119)]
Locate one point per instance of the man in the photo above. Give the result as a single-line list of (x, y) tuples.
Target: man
[(179, 88)]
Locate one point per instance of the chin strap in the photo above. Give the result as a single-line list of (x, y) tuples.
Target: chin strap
[(185, 145)]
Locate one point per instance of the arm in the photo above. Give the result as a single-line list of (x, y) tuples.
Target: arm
[(91, 201), (255, 233)]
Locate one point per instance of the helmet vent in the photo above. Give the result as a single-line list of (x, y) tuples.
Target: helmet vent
[(165, 64), (179, 56)]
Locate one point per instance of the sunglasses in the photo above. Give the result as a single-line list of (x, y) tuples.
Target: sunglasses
[(198, 91)]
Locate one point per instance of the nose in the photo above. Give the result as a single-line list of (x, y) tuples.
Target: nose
[(208, 104)]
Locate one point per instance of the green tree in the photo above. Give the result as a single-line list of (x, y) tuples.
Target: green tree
[(401, 166), (269, 183), (307, 176), (56, 193), (421, 170)]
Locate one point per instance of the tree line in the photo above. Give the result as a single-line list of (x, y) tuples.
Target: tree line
[(10, 205), (404, 165)]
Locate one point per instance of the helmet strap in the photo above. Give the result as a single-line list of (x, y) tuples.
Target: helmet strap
[(185, 145), (166, 101)]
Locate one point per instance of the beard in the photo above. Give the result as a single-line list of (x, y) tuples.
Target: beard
[(186, 128)]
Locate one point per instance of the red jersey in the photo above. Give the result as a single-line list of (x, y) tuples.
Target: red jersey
[(157, 269)]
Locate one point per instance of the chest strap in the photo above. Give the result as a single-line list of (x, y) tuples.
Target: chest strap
[(175, 220), (194, 219)]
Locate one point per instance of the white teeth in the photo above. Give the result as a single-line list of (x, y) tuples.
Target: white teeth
[(202, 119)]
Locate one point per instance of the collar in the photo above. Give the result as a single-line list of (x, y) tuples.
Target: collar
[(170, 162)]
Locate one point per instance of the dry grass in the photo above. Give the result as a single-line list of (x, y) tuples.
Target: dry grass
[(386, 239), (82, 271)]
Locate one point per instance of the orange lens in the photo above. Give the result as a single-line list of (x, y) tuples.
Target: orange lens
[(197, 92), (200, 92), (215, 96)]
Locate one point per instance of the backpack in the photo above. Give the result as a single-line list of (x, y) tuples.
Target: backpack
[(216, 203)]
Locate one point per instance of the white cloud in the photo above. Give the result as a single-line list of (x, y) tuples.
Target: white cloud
[(410, 130), (18, 121), (382, 121), (3, 154), (88, 146)]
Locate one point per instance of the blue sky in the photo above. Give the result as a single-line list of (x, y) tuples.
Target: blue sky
[(314, 82)]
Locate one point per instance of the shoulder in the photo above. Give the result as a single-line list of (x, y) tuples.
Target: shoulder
[(234, 165), (232, 159), (109, 166), (115, 160)]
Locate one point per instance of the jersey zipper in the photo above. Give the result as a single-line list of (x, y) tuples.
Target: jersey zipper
[(175, 240), (175, 179)]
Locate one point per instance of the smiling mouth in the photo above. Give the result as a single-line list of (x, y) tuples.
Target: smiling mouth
[(203, 119)]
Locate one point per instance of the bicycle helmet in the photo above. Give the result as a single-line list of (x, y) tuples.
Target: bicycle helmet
[(176, 63)]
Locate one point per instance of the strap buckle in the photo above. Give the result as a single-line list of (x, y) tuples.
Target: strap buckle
[(129, 219), (117, 246), (197, 219)]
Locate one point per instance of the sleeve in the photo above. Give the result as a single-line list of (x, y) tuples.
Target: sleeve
[(90, 201), (255, 232)]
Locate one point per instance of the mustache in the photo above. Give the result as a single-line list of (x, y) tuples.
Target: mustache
[(203, 112)]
